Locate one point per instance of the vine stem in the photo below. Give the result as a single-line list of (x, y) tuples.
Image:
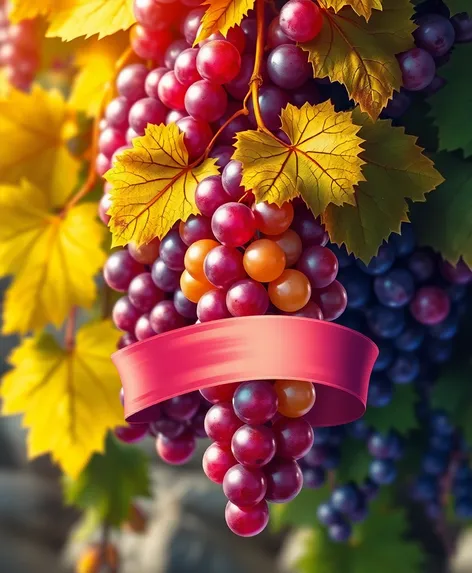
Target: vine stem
[(92, 174), (69, 336), (256, 79)]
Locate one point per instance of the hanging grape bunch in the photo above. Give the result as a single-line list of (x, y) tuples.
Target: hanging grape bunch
[(292, 159)]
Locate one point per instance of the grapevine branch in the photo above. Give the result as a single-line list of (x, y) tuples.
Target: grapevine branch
[(69, 335), (92, 174)]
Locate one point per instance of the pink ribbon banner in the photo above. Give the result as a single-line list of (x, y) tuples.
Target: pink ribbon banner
[(336, 359)]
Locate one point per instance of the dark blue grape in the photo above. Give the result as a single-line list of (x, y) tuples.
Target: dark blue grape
[(462, 487), (353, 319), (380, 393), (359, 430), (385, 446), (446, 329), (344, 260), (360, 512), (385, 357), (403, 244), (313, 478), (340, 532), (422, 265), (321, 435), (463, 507), (411, 338), (382, 472), (440, 351), (332, 459), (442, 443), (404, 369), (317, 455), (357, 285), (327, 515), (370, 489), (425, 488), (345, 498), (386, 322), (440, 423), (395, 289), (381, 263), (435, 463)]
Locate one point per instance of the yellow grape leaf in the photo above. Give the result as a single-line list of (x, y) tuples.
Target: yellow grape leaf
[(395, 170), (221, 15), (153, 186), (71, 19), (33, 141), (54, 258), (321, 163), (96, 60), (360, 7), (360, 54), (68, 398), (90, 17)]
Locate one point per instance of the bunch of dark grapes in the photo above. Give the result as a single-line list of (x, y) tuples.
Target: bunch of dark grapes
[(19, 50), (435, 37)]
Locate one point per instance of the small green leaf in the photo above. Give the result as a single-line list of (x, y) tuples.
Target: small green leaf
[(444, 221), (458, 6), (399, 415), (450, 106), (110, 482), (355, 461), (301, 511)]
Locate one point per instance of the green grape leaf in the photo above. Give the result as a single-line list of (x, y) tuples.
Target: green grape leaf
[(399, 415), (301, 511), (110, 482), (458, 6), (355, 461), (450, 106), (377, 544), (444, 221), (453, 393), (414, 122)]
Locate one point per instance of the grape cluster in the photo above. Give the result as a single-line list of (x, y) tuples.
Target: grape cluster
[(435, 37), (200, 88), (258, 433), (19, 49)]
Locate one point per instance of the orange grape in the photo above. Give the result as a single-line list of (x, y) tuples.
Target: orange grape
[(264, 260), (145, 254), (91, 560), (273, 220), (192, 288), (291, 245), (195, 255), (291, 291), (296, 398)]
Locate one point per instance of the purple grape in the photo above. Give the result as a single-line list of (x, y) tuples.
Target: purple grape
[(284, 480), (293, 436), (120, 269), (435, 34), (463, 27), (272, 100), (130, 82), (231, 180), (313, 478), (164, 317), (253, 446), (210, 195), (182, 408), (418, 69), (143, 329), (212, 306), (255, 402), (223, 266), (125, 315), (170, 428), (288, 66), (172, 251), (243, 486), (117, 113), (184, 306), (395, 289), (195, 229), (221, 422), (143, 293), (165, 278), (247, 298)]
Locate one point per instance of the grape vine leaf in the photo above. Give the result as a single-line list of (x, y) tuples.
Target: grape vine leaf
[(380, 539), (448, 118), (96, 62), (355, 461), (153, 186), (110, 482), (321, 163), (68, 397), (399, 415), (360, 54), (458, 6), (395, 170), (453, 393), (221, 15), (71, 19), (53, 256), (443, 222), (361, 7), (34, 131)]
